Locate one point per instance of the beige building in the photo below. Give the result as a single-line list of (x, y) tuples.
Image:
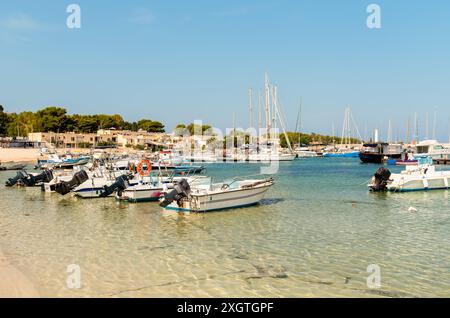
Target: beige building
[(121, 138)]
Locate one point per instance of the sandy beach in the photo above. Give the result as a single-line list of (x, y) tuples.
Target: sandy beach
[(13, 284), (18, 155)]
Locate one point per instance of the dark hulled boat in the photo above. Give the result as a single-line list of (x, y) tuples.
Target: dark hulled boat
[(380, 152)]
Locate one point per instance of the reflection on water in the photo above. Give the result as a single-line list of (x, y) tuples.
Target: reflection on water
[(314, 235)]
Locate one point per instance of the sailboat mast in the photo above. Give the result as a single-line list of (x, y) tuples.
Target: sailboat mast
[(434, 125), (259, 115), (278, 113), (389, 138), (416, 128), (267, 100), (250, 109), (408, 130)]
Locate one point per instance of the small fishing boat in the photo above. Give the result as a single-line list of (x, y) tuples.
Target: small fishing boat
[(422, 177), (12, 166), (65, 162), (407, 159), (304, 152), (94, 186), (216, 196)]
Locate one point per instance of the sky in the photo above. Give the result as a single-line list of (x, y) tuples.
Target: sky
[(180, 61)]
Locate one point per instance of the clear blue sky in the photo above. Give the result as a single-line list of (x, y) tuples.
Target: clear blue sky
[(176, 61)]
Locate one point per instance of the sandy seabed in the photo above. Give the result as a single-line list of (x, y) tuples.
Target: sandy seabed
[(13, 284)]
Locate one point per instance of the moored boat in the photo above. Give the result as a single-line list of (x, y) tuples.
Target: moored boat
[(380, 152), (414, 178), (217, 196)]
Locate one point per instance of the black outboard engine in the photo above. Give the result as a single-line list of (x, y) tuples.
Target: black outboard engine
[(19, 176), (45, 176), (180, 190), (65, 187), (381, 179), (24, 179), (120, 185)]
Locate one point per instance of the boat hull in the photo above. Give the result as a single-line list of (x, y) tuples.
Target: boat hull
[(376, 157), (353, 154), (142, 195)]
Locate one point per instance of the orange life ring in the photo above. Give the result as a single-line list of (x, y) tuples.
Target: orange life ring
[(141, 171)]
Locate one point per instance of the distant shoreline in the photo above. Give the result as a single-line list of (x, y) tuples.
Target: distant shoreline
[(18, 155)]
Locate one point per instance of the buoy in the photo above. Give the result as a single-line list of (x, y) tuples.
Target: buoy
[(140, 169), (412, 209)]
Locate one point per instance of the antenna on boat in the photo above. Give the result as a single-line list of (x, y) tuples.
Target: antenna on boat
[(427, 128)]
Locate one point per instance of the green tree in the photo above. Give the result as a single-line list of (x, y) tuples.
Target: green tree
[(22, 124), (150, 125), (3, 121), (53, 119), (194, 128), (86, 123)]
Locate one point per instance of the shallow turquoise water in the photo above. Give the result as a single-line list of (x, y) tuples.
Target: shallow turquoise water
[(314, 235)]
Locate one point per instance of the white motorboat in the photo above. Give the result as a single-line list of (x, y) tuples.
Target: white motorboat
[(304, 152), (433, 149), (95, 185), (422, 177), (217, 196)]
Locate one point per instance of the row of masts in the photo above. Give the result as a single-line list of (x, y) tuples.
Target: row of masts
[(273, 115), (269, 110)]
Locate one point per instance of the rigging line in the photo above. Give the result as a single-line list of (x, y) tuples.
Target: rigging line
[(356, 126)]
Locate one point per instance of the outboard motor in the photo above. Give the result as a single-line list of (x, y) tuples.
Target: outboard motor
[(19, 176), (381, 179), (28, 180), (120, 185), (181, 190), (65, 187), (45, 176)]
